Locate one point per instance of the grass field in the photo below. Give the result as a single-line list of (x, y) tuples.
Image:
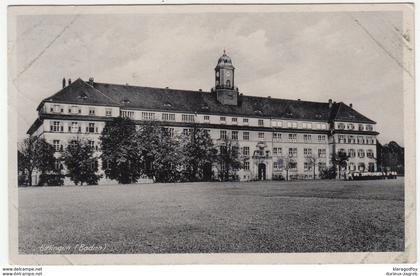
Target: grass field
[(318, 216)]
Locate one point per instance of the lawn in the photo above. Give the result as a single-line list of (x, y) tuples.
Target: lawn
[(318, 216)]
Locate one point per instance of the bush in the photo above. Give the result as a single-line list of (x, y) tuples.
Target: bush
[(278, 177), (328, 173), (51, 180)]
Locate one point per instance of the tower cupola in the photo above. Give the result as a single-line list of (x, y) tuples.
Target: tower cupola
[(225, 89)]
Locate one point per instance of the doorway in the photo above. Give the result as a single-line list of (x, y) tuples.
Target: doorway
[(261, 171)]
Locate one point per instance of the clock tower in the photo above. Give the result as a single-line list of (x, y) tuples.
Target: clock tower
[(225, 89)]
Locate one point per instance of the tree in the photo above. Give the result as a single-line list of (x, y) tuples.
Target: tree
[(35, 154), (288, 163), (312, 161), (161, 153), (81, 163), (199, 154), (228, 159), (340, 159), (121, 157)]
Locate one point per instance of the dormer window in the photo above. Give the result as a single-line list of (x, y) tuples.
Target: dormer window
[(83, 96), (125, 101), (91, 111)]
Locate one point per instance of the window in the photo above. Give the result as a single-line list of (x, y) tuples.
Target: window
[(245, 120), (168, 117), (292, 165), (149, 116), (74, 127), (321, 138), (127, 114), (57, 108), (361, 127), (57, 146), (309, 125), (361, 167), (170, 131), (352, 153), (318, 126), (91, 144), (260, 122), (351, 139), (245, 135), (206, 118), (73, 109), (73, 143), (277, 123), (307, 138), (234, 135), (186, 131), (369, 127), (223, 119), (323, 126), (307, 166), (289, 124), (91, 111), (360, 140), (322, 153), (245, 151), (108, 112), (294, 125), (322, 166), (234, 120), (292, 152), (277, 151), (352, 166), (246, 166), (56, 126), (341, 139), (91, 128), (350, 126), (223, 134), (361, 153), (371, 167), (260, 135), (187, 118), (341, 126), (369, 153), (307, 152), (57, 165), (276, 135), (292, 137)]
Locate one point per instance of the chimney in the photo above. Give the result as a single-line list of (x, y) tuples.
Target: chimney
[(64, 82), (69, 81), (351, 105), (329, 103), (91, 80)]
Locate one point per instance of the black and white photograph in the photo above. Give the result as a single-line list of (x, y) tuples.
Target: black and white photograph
[(212, 130)]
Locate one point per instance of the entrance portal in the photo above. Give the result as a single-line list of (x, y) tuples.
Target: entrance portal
[(261, 171)]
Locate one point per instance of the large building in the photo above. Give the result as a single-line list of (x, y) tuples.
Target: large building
[(280, 137)]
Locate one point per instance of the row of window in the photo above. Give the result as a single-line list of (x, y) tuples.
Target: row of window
[(74, 109), (351, 126), (74, 127), (352, 139), (58, 146), (293, 152), (361, 153)]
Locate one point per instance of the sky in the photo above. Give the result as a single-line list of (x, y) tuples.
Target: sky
[(350, 57)]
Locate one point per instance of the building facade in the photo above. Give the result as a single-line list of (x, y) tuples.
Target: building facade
[(279, 138)]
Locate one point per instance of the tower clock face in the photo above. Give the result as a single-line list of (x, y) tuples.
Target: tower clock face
[(227, 74)]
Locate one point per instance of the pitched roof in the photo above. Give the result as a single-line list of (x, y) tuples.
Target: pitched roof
[(148, 98), (79, 92), (346, 113)]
